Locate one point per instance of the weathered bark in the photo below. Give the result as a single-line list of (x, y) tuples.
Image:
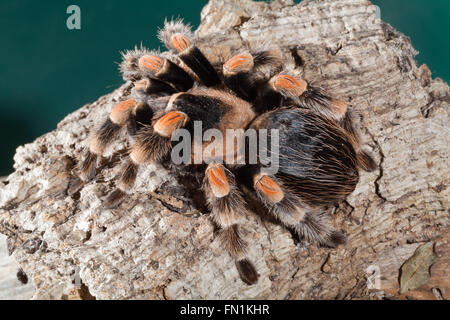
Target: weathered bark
[(147, 248)]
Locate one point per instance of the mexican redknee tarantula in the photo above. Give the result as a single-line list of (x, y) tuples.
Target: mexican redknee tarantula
[(319, 151)]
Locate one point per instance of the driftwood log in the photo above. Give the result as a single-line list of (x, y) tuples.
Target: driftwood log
[(157, 245)]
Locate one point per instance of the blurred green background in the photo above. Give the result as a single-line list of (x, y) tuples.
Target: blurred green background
[(47, 71)]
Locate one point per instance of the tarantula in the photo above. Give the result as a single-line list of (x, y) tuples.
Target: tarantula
[(319, 151)]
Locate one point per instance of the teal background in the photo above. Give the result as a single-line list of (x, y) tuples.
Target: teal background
[(47, 71)]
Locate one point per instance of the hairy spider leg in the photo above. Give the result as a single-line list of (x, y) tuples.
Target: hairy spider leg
[(227, 207), (100, 140), (178, 37), (151, 144), (238, 77), (309, 224), (146, 87), (154, 66), (239, 71), (132, 113)]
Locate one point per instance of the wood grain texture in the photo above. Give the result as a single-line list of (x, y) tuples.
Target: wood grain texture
[(157, 245)]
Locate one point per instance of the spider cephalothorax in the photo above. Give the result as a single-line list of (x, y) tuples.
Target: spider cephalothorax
[(318, 151)]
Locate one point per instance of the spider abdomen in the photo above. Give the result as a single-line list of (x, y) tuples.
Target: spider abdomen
[(317, 161)]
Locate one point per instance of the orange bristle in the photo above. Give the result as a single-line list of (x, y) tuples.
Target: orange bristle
[(169, 122), (218, 181), (124, 105), (291, 84), (119, 113), (180, 42), (239, 63), (270, 189), (151, 63)]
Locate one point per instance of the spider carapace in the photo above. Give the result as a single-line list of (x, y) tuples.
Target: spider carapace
[(318, 151)]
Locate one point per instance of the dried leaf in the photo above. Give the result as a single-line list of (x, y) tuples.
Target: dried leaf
[(415, 272)]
